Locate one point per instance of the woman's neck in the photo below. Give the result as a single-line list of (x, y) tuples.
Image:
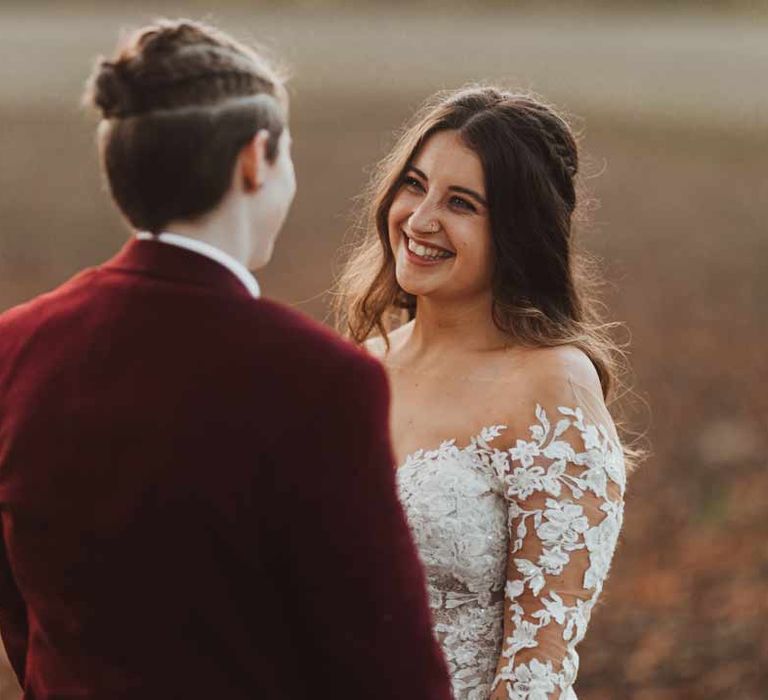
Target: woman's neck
[(450, 329)]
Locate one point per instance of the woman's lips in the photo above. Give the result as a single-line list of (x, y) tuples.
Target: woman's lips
[(418, 260)]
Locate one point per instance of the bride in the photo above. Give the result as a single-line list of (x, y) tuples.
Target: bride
[(511, 472)]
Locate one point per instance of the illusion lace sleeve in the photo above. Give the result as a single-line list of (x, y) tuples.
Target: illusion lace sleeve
[(564, 485)]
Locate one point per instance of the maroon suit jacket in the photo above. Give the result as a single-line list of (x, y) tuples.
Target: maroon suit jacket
[(198, 498)]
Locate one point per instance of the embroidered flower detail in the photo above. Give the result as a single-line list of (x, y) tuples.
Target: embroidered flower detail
[(524, 452), (614, 467), (601, 542), (591, 437), (559, 449), (513, 589), (564, 522), (471, 508), (532, 575), (523, 637), (594, 479), (523, 482), (553, 608), (578, 618), (534, 681), (554, 560)]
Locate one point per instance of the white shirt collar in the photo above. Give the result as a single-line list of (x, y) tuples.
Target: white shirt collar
[(209, 251)]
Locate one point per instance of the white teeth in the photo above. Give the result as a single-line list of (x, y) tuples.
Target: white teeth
[(424, 252)]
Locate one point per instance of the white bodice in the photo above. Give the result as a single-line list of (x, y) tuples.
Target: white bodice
[(517, 542)]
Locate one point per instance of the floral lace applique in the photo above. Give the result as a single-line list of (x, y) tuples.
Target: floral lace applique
[(552, 507)]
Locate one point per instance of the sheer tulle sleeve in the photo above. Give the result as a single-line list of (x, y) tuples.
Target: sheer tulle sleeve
[(564, 484)]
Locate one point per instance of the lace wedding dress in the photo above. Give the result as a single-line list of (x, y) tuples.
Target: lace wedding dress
[(517, 544)]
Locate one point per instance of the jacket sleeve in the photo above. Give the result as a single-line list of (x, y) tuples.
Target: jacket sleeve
[(356, 586), (13, 616)]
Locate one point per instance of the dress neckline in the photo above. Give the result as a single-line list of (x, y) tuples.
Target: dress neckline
[(538, 431), (485, 434)]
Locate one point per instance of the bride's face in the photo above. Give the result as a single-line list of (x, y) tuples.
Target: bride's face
[(439, 225)]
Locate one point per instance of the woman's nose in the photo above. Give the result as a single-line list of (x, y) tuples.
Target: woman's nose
[(424, 219)]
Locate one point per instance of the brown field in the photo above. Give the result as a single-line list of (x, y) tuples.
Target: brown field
[(674, 110)]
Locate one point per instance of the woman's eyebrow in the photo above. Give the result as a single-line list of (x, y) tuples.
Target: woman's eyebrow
[(452, 188)]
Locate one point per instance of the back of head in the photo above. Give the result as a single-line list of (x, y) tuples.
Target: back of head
[(179, 100)]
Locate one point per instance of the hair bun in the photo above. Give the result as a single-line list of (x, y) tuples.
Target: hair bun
[(110, 91)]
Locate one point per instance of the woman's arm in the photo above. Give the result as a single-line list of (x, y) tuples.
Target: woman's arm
[(564, 482)]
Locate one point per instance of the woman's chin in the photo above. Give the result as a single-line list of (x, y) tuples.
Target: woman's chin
[(415, 287), (416, 279)]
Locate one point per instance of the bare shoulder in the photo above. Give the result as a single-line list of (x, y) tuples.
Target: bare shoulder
[(377, 346), (551, 375), (563, 363)]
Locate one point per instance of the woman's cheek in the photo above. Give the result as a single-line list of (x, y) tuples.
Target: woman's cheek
[(476, 263)]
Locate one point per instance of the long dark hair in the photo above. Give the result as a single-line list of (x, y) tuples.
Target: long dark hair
[(543, 290)]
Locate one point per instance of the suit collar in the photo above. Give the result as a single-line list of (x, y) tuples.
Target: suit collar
[(210, 251), (176, 264)]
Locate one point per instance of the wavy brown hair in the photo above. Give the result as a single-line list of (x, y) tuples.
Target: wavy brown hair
[(543, 289), (179, 100)]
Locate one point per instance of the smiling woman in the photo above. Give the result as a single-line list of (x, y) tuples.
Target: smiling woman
[(438, 222), (511, 470), (513, 161)]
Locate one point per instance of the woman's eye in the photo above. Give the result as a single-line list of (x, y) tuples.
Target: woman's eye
[(462, 203), (412, 182)]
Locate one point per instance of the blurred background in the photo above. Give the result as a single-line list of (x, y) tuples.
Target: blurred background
[(671, 99)]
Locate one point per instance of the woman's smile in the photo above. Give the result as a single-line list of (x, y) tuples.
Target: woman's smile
[(423, 253)]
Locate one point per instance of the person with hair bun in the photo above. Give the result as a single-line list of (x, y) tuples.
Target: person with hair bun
[(196, 483), (467, 284)]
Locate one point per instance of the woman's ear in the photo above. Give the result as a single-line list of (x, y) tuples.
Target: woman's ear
[(252, 161)]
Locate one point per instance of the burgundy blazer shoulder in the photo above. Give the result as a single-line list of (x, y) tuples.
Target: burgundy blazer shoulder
[(196, 490)]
